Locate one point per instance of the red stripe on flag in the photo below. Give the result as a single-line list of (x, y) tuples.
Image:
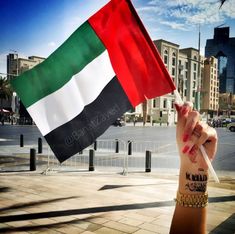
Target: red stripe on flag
[(133, 55)]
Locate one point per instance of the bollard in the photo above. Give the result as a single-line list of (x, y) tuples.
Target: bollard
[(117, 146), (91, 160), (95, 145), (129, 148), (148, 161), (32, 159), (21, 140), (39, 145)]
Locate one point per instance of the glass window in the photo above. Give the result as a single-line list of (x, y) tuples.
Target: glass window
[(173, 59), (165, 59), (154, 103), (164, 103), (173, 71), (186, 65)]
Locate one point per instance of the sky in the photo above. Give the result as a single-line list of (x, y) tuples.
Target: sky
[(38, 27)]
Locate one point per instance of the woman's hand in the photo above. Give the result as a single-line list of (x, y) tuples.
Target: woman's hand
[(191, 134)]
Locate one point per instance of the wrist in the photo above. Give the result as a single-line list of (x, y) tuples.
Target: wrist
[(193, 180)]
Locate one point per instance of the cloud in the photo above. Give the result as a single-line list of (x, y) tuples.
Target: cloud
[(175, 25), (182, 14), (52, 44)]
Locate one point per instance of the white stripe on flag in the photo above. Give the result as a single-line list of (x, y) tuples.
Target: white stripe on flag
[(67, 102)]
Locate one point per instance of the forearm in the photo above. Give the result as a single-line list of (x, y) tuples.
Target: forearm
[(192, 185)]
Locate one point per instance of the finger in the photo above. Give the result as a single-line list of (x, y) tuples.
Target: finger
[(191, 122), (183, 111)]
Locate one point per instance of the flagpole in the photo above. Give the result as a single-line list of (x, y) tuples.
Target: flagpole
[(179, 101)]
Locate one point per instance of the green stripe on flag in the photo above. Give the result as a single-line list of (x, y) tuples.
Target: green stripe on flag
[(70, 58)]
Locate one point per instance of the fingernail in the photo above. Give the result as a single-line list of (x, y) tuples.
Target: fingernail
[(177, 107), (185, 149), (184, 110), (185, 137)]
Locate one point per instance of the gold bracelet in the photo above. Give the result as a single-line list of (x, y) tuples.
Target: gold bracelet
[(192, 200)]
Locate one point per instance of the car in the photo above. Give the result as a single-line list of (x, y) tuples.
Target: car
[(118, 123), (231, 127)]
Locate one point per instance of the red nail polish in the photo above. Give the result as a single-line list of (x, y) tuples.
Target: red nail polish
[(185, 149), (177, 107), (185, 137), (184, 110)]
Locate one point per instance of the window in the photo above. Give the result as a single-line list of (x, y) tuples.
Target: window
[(195, 67), (173, 59), (165, 56), (186, 74), (186, 65), (154, 103), (173, 71), (164, 103)]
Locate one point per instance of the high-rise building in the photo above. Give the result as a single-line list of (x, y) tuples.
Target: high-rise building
[(210, 87), (223, 48)]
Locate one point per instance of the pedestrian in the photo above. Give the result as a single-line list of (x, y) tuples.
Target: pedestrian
[(192, 198)]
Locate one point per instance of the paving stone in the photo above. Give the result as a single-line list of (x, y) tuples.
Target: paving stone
[(141, 231), (105, 230), (121, 227)]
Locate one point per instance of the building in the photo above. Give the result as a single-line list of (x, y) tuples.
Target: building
[(15, 67), (227, 104), (189, 74), (210, 87), (185, 70), (223, 47), (161, 109)]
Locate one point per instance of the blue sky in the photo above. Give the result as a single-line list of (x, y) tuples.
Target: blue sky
[(38, 27)]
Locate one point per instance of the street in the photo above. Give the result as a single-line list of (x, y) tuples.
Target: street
[(163, 137)]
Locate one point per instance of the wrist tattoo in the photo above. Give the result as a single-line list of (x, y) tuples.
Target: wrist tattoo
[(196, 177), (196, 187), (196, 182)]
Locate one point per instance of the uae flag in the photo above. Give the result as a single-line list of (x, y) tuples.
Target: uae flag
[(106, 67)]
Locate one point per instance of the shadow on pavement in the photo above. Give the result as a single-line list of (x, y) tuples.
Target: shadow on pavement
[(29, 204), (228, 225), (39, 227)]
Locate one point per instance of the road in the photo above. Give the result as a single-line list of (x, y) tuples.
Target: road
[(163, 136)]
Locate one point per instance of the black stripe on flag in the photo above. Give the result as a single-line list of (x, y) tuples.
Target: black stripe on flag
[(80, 132)]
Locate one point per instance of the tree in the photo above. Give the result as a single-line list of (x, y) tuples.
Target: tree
[(5, 90)]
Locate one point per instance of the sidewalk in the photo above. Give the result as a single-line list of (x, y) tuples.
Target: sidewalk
[(99, 202)]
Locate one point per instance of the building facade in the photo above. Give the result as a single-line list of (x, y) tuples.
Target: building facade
[(210, 87), (15, 67), (189, 74), (186, 71), (223, 47)]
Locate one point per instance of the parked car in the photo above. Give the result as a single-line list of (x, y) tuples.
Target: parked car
[(231, 127), (118, 123)]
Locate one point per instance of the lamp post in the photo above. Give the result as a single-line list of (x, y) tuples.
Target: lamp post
[(15, 100)]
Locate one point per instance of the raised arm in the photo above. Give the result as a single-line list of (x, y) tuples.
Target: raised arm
[(191, 200)]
